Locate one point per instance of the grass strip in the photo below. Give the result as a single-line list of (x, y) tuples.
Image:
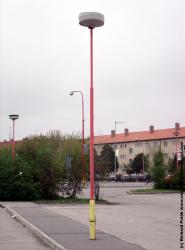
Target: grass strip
[(68, 200), (152, 191)]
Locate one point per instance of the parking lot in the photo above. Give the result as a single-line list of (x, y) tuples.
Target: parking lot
[(151, 221)]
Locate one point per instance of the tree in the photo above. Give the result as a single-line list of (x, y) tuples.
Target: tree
[(107, 157), (158, 170), (138, 162), (71, 160), (172, 165)]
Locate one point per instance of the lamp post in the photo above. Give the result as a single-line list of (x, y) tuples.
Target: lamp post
[(83, 121), (176, 133), (91, 20), (143, 161), (115, 124), (13, 118)]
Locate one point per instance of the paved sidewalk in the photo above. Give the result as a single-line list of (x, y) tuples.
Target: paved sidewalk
[(13, 236), (67, 233)]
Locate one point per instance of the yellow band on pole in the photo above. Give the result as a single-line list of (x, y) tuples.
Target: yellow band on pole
[(92, 220)]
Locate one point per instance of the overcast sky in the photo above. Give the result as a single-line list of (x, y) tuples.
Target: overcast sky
[(139, 65)]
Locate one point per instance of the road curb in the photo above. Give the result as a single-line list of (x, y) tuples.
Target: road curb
[(37, 232)]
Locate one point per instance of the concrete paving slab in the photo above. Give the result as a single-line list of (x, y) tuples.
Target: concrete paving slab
[(103, 242), (33, 211), (13, 236), (69, 234), (151, 221), (59, 224)]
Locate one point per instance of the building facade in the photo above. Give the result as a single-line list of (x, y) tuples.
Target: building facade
[(129, 144)]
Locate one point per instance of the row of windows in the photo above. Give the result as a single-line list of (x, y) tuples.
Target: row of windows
[(166, 155), (124, 157), (147, 144)]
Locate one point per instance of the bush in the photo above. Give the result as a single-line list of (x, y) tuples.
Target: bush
[(16, 178), (41, 164), (42, 152), (176, 180)]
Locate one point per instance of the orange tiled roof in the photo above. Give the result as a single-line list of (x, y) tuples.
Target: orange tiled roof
[(140, 136), (7, 143)]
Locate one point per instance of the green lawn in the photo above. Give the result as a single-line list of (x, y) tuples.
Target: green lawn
[(152, 191), (67, 200)]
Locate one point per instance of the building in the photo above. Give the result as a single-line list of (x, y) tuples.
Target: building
[(129, 144), (8, 143)]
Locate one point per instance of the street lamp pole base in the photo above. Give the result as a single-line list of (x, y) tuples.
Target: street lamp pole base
[(92, 220)]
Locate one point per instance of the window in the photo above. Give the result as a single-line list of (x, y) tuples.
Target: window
[(147, 145), (165, 143), (130, 150), (138, 144), (155, 144), (122, 157), (165, 155)]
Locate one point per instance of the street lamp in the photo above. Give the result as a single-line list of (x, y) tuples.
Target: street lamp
[(83, 121), (115, 146), (176, 133), (13, 118), (143, 160), (91, 20)]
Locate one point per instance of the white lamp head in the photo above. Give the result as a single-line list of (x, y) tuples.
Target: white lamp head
[(91, 19), (13, 117)]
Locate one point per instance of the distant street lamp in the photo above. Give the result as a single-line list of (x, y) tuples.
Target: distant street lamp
[(143, 161), (91, 20), (176, 133), (115, 147), (13, 118), (83, 121)]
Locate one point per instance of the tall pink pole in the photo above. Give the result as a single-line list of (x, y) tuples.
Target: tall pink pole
[(83, 159), (91, 119), (13, 141)]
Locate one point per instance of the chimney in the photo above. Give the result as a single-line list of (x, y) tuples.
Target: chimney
[(126, 131), (151, 129), (112, 133), (177, 127)]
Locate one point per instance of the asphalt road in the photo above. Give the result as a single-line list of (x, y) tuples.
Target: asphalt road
[(151, 221)]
